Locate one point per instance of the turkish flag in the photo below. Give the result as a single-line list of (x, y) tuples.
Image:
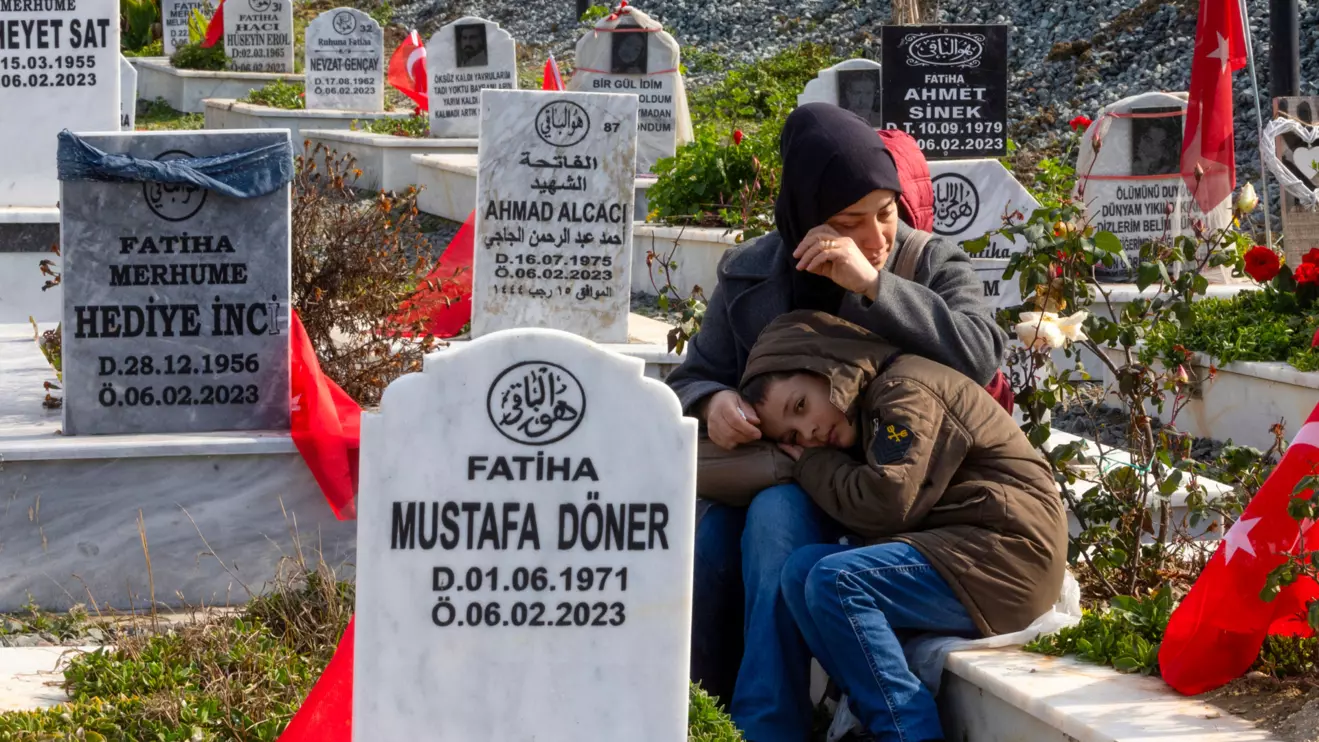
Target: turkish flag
[(1220, 50), (551, 79), (326, 424), (327, 713), (407, 70), (1217, 631), (214, 29)]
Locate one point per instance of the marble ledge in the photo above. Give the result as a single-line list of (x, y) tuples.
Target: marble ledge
[(1089, 703), (29, 215), (162, 64), (388, 141), (54, 446)]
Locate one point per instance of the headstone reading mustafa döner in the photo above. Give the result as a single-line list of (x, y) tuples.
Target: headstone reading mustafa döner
[(345, 61), (258, 35), (555, 189), (176, 298), (462, 59), (524, 549), (947, 86), (632, 53), (59, 69)]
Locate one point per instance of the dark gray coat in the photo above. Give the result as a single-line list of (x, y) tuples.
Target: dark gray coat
[(941, 315)]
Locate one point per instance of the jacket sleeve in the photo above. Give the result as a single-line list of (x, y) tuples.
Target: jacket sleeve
[(944, 319), (893, 489), (710, 363)]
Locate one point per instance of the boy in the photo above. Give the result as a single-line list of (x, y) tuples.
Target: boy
[(965, 530)]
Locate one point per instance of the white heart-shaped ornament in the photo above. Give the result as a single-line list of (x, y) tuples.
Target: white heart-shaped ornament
[(1305, 158)]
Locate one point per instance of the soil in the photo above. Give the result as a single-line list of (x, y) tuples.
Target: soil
[(1287, 708)]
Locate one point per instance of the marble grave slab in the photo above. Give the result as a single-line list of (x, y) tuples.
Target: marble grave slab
[(174, 21), (854, 84), (258, 35), (462, 59), (345, 61), (127, 94)]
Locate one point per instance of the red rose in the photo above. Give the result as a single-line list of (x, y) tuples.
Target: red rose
[(1262, 264), (1080, 123), (737, 136), (1314, 343), (1311, 257), (1307, 273)]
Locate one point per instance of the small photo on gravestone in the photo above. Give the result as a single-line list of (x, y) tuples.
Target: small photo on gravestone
[(628, 54), (858, 92), (1156, 143), (471, 45)]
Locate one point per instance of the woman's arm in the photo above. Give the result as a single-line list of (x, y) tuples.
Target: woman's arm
[(710, 364)]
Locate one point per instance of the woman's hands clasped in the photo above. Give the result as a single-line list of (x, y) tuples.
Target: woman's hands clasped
[(825, 252)]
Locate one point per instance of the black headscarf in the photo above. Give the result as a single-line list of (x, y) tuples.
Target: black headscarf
[(832, 158)]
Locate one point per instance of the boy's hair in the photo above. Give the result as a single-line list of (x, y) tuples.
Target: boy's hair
[(754, 390)]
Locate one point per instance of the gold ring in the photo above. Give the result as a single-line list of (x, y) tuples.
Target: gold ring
[(828, 244)]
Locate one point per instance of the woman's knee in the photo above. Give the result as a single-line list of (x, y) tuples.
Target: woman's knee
[(719, 539), (777, 513)]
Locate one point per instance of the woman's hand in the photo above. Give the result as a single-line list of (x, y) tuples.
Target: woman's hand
[(731, 421), (794, 452), (826, 253)]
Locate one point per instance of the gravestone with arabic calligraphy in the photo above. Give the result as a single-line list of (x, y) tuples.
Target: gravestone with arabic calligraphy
[(532, 581), (632, 53), (345, 61), (554, 195), (258, 35), (175, 298), (462, 59), (1132, 185)]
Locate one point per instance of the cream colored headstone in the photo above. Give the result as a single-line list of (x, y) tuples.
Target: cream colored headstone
[(854, 84)]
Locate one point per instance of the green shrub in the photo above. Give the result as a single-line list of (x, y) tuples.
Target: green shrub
[(706, 722), (154, 49), (1126, 636), (712, 181), (196, 57), (278, 94), (136, 20), (593, 14), (1246, 327), (416, 126), (762, 91)]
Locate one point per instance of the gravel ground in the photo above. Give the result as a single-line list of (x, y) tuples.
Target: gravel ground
[(1066, 58)]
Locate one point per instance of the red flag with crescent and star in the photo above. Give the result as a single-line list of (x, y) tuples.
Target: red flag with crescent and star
[(214, 29), (325, 424), (1216, 633), (1208, 141), (407, 70)]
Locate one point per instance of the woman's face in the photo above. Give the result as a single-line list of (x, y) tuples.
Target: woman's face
[(872, 223)]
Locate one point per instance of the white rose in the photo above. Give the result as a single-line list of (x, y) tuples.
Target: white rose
[(1247, 200), (1071, 326), (1045, 330)]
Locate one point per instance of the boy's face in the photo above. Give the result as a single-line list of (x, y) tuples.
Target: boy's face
[(797, 411)]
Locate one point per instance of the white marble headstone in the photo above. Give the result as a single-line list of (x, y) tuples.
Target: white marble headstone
[(854, 84), (49, 95), (524, 549), (258, 35), (462, 59), (554, 198), (634, 54), (174, 17), (345, 65), (127, 94), (1128, 184)]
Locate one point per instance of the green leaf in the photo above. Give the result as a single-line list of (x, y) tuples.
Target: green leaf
[(1108, 242), (1147, 274), (976, 246)]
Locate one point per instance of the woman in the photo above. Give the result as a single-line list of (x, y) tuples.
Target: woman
[(838, 221)]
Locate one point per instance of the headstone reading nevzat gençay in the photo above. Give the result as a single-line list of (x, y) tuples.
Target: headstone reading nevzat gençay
[(462, 59), (853, 84), (127, 94), (174, 20), (554, 195), (258, 35), (345, 61), (634, 54), (60, 70), (947, 85), (524, 549), (175, 298)]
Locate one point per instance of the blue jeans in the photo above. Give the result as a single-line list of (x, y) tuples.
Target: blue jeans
[(852, 605), (771, 694)]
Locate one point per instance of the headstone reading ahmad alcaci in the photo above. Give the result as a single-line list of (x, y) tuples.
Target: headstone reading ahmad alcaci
[(176, 298), (555, 189), (524, 549)]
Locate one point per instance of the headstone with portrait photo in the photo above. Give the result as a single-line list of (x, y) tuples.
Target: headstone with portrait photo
[(1301, 157), (345, 65), (854, 84), (973, 198), (127, 94), (1132, 184), (258, 35), (176, 298), (533, 579), (947, 85), (70, 80), (632, 53), (174, 16), (554, 197), (462, 59)]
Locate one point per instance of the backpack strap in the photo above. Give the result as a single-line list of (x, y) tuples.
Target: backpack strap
[(908, 259)]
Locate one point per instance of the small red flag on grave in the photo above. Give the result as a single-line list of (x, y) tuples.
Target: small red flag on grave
[(407, 70), (325, 422), (1217, 631), (444, 302), (552, 79), (214, 29), (327, 714), (1208, 141)]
